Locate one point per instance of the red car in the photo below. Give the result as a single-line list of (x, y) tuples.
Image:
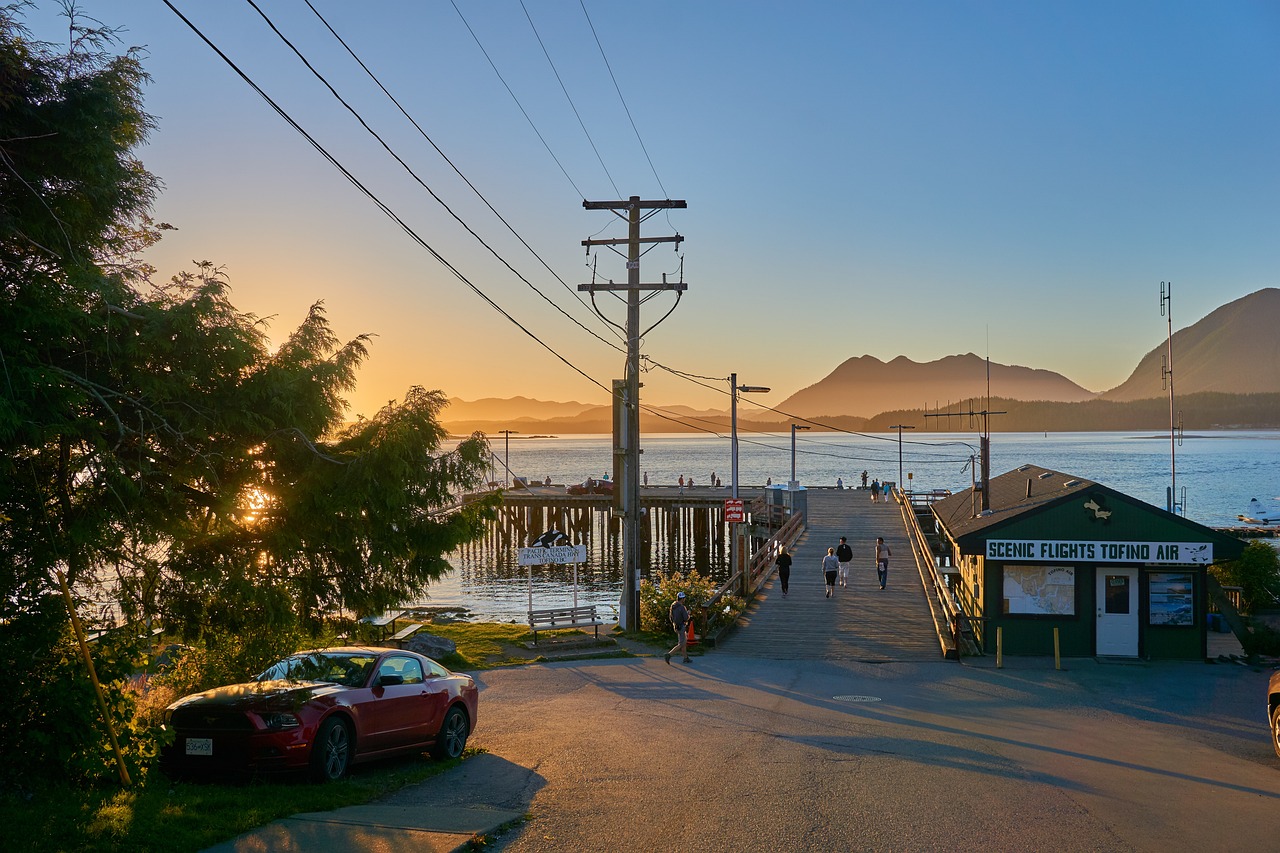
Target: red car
[(592, 486), (323, 711)]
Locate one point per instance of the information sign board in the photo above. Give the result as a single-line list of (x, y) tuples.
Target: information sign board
[(538, 556), (734, 511)]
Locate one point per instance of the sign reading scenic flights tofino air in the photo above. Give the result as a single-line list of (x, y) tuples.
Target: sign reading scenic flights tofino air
[(1165, 553)]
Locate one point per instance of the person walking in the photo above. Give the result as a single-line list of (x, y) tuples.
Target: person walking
[(830, 567), (875, 491), (882, 561), (680, 621), (844, 554), (784, 568)]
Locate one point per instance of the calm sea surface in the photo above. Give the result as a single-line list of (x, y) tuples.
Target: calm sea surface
[(1220, 472)]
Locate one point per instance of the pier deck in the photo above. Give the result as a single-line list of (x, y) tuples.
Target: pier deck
[(861, 622)]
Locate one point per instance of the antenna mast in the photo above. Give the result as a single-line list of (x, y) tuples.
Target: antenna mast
[(1172, 504)]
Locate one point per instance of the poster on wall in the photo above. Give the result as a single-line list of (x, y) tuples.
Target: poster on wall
[(1040, 590), (1172, 599)]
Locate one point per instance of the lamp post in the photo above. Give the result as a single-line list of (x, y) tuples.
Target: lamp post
[(733, 422), (507, 433), (735, 388), (794, 427), (900, 428)]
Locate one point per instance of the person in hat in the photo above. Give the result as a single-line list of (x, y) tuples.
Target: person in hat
[(680, 621)]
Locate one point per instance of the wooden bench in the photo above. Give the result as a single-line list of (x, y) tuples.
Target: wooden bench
[(554, 618), (405, 633)]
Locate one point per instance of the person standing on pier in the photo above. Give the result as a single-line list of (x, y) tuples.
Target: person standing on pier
[(844, 554), (864, 479), (830, 567), (681, 482), (875, 490), (882, 561), (679, 620), (784, 568)]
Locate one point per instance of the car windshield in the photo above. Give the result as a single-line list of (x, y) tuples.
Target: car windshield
[(350, 670)]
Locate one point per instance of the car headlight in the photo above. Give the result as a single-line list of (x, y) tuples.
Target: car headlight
[(280, 720)]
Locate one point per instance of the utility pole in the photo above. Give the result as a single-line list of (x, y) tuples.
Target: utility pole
[(626, 431), (984, 449), (1173, 503), (900, 428), (507, 433)]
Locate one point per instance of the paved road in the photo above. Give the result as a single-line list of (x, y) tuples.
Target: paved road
[(861, 622), (737, 753)]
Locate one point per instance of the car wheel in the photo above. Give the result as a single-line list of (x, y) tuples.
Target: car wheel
[(331, 753), (1275, 729), (452, 737)]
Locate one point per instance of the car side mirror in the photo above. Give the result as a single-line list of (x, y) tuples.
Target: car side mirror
[(390, 680)]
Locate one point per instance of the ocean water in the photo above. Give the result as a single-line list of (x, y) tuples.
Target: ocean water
[(1218, 472)]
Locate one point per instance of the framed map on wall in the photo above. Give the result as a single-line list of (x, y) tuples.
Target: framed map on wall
[(1040, 590)]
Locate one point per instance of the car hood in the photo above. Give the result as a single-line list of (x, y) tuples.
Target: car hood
[(257, 694)]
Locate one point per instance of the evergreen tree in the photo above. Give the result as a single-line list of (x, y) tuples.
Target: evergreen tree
[(153, 448)]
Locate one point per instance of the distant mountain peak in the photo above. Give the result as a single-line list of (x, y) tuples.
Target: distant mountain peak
[(865, 386), (1233, 350)]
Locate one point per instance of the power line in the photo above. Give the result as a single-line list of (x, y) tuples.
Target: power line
[(458, 171), (618, 89), (523, 112), (572, 105), (375, 199)]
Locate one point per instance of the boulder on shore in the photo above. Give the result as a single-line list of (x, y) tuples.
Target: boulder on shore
[(431, 645)]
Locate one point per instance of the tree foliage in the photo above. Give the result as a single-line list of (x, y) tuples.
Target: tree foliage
[(153, 448), (1257, 573)]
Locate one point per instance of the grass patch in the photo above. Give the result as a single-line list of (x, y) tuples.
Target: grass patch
[(162, 815)]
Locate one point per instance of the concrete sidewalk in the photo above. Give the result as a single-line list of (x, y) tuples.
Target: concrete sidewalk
[(373, 827)]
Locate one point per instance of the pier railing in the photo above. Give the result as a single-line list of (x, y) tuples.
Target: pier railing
[(954, 629), (760, 564)]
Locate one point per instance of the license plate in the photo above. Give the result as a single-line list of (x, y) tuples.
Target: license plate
[(199, 746)]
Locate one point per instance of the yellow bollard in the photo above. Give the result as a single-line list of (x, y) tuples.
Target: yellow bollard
[(1057, 653), (1000, 647)]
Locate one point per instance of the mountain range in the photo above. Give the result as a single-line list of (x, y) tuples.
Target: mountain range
[(1234, 350)]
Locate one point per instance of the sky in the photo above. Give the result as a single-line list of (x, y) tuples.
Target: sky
[(862, 178)]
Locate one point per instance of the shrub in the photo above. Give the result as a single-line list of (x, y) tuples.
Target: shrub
[(660, 590), (1257, 573)]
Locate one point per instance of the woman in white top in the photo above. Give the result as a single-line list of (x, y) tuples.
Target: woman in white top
[(831, 565)]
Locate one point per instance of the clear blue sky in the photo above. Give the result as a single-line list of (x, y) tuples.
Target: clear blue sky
[(906, 178)]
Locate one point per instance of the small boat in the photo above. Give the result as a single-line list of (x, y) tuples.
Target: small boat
[(1257, 514)]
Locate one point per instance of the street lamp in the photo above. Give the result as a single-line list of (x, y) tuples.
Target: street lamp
[(507, 464), (794, 483), (733, 422), (733, 473), (900, 428)]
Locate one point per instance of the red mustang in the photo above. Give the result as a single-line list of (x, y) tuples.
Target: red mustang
[(323, 711), (591, 486)]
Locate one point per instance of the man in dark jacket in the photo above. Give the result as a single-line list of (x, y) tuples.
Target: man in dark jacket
[(845, 555), (680, 621)]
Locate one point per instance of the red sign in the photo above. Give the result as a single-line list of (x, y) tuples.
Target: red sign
[(733, 510)]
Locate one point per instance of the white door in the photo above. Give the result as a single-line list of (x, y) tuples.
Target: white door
[(1117, 612)]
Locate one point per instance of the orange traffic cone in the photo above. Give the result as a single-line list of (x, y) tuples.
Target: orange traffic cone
[(689, 640)]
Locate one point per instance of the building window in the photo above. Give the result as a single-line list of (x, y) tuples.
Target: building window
[(1039, 590), (1172, 601)]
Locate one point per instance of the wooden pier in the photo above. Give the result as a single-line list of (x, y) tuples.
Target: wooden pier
[(861, 622), (681, 529)]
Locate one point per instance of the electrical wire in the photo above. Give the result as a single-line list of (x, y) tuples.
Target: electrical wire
[(627, 109), (386, 210), (523, 112), (572, 105), (419, 180), (452, 165)]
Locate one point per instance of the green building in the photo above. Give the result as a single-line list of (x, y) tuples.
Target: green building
[(1114, 575)]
